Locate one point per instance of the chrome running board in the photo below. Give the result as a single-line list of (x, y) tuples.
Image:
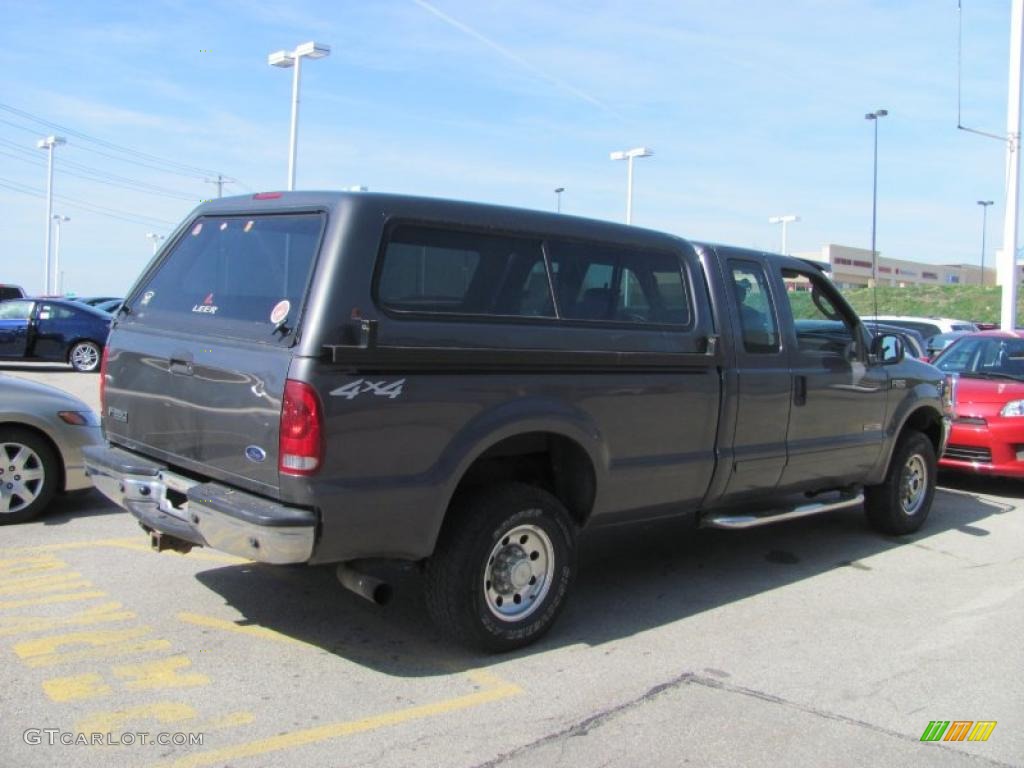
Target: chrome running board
[(736, 521)]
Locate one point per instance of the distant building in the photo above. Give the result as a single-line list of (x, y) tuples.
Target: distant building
[(851, 268)]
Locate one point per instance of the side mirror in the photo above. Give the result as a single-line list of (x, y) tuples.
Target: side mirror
[(887, 349)]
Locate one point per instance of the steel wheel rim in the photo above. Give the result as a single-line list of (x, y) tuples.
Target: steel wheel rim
[(85, 356), (21, 477), (913, 484), (519, 572)]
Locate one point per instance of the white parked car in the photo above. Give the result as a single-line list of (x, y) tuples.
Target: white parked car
[(926, 326)]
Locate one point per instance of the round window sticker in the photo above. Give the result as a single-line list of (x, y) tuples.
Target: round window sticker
[(147, 297), (280, 311), (197, 229)]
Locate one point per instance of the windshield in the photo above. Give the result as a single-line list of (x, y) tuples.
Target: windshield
[(237, 276), (998, 358)]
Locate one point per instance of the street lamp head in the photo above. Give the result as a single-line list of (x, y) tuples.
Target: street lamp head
[(281, 59), (629, 153), (50, 142), (60, 218), (986, 203), (881, 112), (313, 50), (559, 190), (787, 219)]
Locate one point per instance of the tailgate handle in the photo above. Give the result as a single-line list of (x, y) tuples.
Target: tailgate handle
[(180, 362)]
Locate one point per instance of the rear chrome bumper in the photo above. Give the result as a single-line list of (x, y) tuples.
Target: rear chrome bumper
[(206, 514)]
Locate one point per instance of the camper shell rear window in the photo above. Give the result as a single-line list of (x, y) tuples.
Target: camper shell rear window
[(242, 276)]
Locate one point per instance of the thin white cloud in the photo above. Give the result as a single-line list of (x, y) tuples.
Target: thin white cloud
[(516, 58)]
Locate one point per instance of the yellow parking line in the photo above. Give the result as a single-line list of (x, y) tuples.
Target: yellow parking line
[(346, 728), (6, 604), (242, 629), (132, 543)]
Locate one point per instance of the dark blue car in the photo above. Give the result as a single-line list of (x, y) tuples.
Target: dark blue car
[(53, 329)]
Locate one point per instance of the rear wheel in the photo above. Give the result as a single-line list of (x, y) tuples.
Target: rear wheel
[(29, 473), (900, 503), (502, 567), (84, 356)]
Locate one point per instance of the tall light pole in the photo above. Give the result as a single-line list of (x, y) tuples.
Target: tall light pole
[(48, 144), (984, 216), (285, 59), (558, 199), (874, 117), (629, 155), (155, 238), (783, 220), (58, 219)]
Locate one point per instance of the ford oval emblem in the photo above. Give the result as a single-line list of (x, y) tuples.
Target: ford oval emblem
[(255, 453)]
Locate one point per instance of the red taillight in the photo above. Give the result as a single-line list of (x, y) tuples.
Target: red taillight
[(266, 195), (300, 447), (103, 381)]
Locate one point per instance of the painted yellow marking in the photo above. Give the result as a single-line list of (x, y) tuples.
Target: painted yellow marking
[(17, 586), (89, 686), (96, 637), (117, 650), (162, 673), (39, 586), (97, 614), (113, 722), (132, 543), (345, 728), (9, 562), (50, 600), (242, 629), (40, 564)]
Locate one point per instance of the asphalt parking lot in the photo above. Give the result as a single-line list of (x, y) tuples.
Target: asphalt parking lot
[(814, 642)]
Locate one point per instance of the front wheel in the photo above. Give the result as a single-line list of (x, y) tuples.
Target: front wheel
[(29, 474), (502, 567), (900, 503), (84, 356)]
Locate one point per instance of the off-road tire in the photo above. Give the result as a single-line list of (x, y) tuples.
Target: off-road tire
[(465, 575), (900, 504)]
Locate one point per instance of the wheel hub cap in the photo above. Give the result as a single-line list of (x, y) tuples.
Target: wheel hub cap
[(914, 484), (25, 479), (519, 572)]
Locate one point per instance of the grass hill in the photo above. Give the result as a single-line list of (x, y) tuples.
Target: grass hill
[(963, 302)]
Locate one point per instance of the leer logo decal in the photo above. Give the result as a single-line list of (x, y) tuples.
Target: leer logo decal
[(390, 390), (958, 730)]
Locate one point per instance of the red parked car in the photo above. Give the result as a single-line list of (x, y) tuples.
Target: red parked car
[(988, 411)]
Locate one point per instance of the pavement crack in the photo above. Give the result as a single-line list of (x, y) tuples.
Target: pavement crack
[(583, 727)]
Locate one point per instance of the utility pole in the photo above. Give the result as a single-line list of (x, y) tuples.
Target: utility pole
[(558, 199), (220, 181), (984, 220)]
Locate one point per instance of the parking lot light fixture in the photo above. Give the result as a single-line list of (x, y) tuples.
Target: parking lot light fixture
[(58, 220), (155, 238), (48, 144), (558, 199), (783, 220), (874, 117), (629, 155), (293, 59), (984, 220)]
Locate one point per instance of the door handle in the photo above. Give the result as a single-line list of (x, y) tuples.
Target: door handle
[(799, 390)]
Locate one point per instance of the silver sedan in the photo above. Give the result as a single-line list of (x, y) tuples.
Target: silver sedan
[(42, 431)]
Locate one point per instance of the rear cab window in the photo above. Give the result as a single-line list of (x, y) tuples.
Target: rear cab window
[(240, 276)]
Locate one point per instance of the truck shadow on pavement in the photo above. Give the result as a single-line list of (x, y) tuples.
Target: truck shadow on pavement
[(630, 579), (68, 507)]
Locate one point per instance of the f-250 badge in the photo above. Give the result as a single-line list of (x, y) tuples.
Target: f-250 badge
[(387, 389)]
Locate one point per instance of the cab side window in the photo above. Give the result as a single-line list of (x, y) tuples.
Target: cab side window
[(821, 328), (757, 313)]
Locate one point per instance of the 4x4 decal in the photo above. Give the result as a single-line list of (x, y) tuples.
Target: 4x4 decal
[(387, 389)]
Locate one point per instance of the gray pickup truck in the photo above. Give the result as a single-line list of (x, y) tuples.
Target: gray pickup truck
[(334, 378)]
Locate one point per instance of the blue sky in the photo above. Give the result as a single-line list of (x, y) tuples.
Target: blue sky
[(752, 108)]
